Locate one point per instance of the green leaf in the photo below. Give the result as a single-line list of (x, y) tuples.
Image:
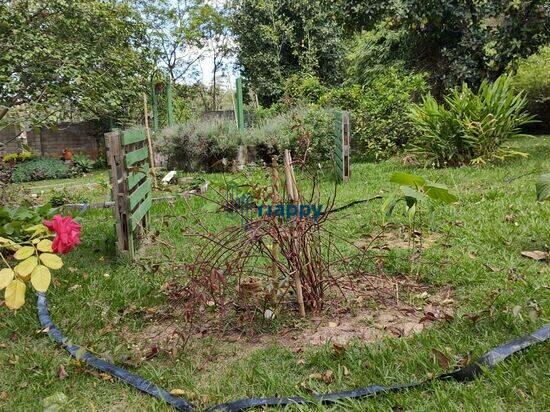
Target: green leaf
[(407, 179), (543, 187), (440, 192)]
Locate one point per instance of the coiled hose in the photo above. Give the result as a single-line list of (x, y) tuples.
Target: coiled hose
[(469, 372)]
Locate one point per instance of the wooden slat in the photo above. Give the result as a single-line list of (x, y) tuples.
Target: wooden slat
[(140, 212), (135, 177), (136, 156), (133, 136), (140, 193)]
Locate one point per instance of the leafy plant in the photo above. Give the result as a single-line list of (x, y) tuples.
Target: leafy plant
[(64, 196), (17, 157), (14, 221), (34, 257), (377, 105), (415, 189), (40, 169), (469, 127), (82, 163), (543, 187), (532, 78)]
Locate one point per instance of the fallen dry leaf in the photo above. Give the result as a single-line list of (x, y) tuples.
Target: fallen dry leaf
[(441, 358), (61, 372), (345, 371), (328, 376), (338, 348), (536, 255), (177, 392)]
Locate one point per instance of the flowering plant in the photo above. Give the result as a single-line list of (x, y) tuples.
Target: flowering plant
[(35, 256)]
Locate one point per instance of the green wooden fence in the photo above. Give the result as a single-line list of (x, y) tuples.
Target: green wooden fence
[(128, 157), (342, 142)]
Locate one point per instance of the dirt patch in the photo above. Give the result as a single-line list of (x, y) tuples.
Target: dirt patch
[(398, 238), (386, 306)]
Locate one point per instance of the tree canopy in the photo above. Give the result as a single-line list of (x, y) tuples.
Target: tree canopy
[(61, 56)]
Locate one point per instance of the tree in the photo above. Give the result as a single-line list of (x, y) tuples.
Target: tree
[(456, 41), (59, 57), (212, 25), (177, 45), (278, 38)]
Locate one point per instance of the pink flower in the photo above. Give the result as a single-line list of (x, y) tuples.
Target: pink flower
[(68, 233)]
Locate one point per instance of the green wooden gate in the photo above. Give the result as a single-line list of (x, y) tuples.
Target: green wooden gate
[(342, 143), (128, 157)]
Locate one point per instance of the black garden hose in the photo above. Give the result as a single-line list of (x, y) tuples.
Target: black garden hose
[(467, 373)]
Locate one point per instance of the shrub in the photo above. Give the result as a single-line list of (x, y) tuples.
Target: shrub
[(378, 124), (65, 196), (17, 157), (533, 77), (40, 169), (469, 127), (302, 89), (82, 163), (306, 132), (200, 145)]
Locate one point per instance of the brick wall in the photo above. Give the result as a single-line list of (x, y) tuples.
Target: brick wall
[(81, 137)]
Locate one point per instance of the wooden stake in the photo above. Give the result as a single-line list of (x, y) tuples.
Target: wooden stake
[(295, 198), (149, 142)]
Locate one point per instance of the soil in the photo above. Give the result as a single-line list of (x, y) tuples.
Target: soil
[(385, 306)]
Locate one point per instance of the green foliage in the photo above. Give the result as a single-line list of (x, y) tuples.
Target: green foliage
[(214, 144), (469, 127), (59, 56), (455, 42), (40, 169), (201, 145), (302, 89), (543, 187), (307, 132), (17, 157), (280, 38), (15, 221), (379, 127), (533, 77), (415, 189), (82, 163), (65, 196)]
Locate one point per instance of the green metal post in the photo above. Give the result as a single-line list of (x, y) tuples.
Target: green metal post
[(169, 104), (239, 104), (155, 105)]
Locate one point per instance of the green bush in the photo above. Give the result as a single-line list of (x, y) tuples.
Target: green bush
[(201, 145), (379, 125), (533, 77), (82, 163), (469, 127), (17, 157), (306, 131), (302, 89), (64, 196), (40, 169)]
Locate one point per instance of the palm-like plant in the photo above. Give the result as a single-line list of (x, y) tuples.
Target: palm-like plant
[(470, 127)]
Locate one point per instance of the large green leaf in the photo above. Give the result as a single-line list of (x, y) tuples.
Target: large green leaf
[(543, 187), (440, 192), (407, 179)]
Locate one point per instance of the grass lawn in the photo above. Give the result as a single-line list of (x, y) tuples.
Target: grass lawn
[(497, 218)]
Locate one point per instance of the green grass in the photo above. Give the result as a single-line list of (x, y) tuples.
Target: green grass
[(479, 238)]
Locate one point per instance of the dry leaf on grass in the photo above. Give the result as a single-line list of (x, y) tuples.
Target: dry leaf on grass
[(441, 358), (536, 255)]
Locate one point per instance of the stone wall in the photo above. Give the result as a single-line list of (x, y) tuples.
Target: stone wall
[(81, 137)]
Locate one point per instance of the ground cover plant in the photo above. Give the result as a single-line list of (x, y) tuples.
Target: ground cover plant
[(495, 294)]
